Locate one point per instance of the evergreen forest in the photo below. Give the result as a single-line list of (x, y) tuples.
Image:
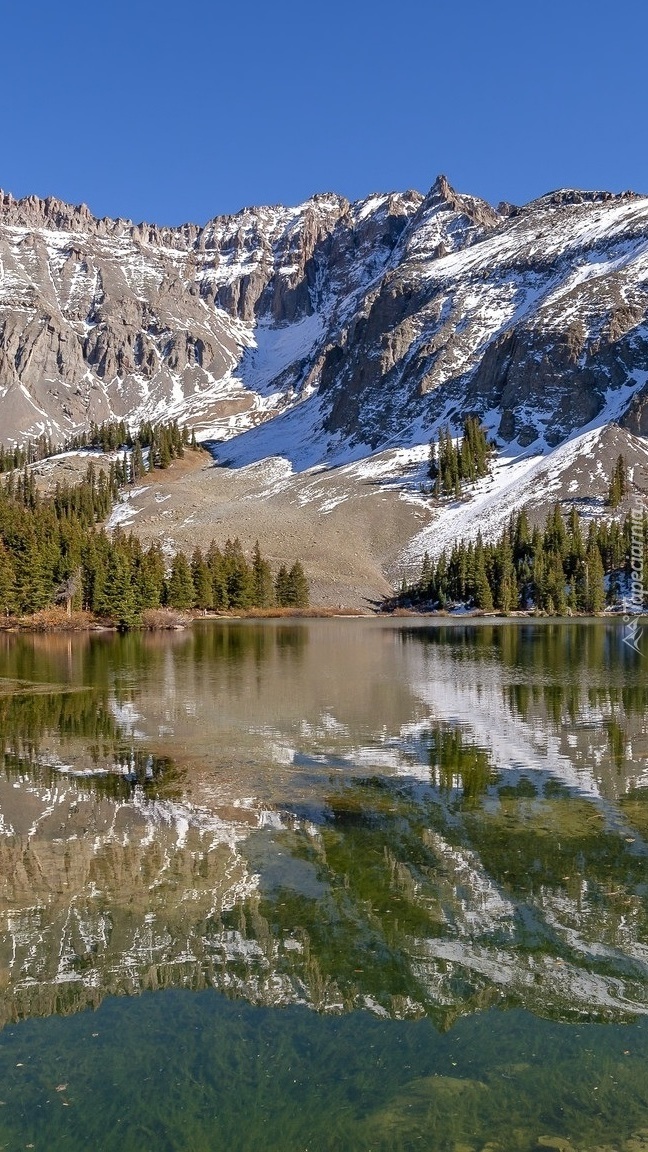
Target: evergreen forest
[(559, 567), (453, 465), (53, 550)]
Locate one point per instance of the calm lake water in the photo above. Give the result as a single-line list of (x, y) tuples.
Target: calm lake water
[(325, 885)]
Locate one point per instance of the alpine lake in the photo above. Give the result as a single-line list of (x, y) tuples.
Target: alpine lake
[(324, 885)]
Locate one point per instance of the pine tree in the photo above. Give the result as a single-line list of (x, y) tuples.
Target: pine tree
[(7, 583), (137, 462), (216, 564), (483, 593), (202, 581), (262, 580), (180, 588), (507, 591), (116, 599), (238, 575), (164, 453), (618, 484), (281, 587), (297, 587), (594, 599), (555, 586), (148, 579), (453, 465)]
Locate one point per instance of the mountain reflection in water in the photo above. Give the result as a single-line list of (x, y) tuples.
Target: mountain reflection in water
[(418, 820)]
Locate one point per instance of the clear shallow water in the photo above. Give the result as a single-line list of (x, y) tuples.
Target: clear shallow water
[(195, 1070), (434, 837)]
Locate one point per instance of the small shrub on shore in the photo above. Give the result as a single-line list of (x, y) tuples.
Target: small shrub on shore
[(55, 620), (157, 619)]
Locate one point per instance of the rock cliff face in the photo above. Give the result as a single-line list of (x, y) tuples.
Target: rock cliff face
[(102, 317), (380, 317)]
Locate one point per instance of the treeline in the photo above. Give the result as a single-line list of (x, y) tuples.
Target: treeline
[(152, 446), (222, 579), (51, 552), (42, 540), (453, 465), (556, 569)]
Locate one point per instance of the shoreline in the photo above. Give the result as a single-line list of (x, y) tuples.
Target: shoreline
[(55, 621)]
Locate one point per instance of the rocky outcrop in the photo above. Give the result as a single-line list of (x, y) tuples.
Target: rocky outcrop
[(396, 311)]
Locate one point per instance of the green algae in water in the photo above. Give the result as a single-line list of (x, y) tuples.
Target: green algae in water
[(195, 1071)]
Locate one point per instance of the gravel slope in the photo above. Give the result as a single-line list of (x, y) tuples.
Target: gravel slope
[(348, 532)]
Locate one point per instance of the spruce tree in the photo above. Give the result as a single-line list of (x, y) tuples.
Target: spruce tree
[(180, 587), (202, 581), (297, 587), (281, 587), (555, 533), (137, 462), (539, 593), (483, 593), (7, 583), (618, 484), (262, 580), (239, 576), (164, 457), (451, 465), (116, 600), (216, 564), (595, 577), (427, 574), (506, 593), (149, 579), (555, 587), (34, 572)]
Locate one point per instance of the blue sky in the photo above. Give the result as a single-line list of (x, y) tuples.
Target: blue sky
[(179, 111)]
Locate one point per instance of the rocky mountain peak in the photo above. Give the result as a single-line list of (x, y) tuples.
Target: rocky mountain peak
[(442, 189), (478, 211), (47, 212), (382, 314)]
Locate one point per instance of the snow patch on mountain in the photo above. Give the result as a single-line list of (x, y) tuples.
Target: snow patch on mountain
[(519, 477), (273, 350)]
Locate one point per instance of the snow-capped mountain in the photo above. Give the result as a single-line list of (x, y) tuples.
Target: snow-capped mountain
[(100, 318), (382, 316), (324, 345)]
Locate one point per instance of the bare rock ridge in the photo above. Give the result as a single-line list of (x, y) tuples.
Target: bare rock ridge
[(365, 323)]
